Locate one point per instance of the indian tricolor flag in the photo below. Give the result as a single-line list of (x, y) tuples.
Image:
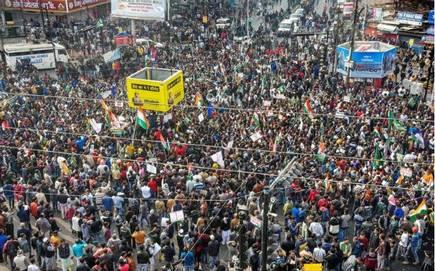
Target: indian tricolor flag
[(113, 120), (198, 99), (5, 125), (165, 143), (421, 210), (142, 119), (308, 109)]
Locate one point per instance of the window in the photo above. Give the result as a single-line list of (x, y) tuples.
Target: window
[(30, 53), (61, 52)]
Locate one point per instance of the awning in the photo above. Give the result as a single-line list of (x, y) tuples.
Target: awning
[(112, 56), (387, 28)]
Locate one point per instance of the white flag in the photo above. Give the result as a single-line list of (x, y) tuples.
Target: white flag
[(256, 136), (151, 169), (95, 126), (218, 158), (229, 145), (201, 117)]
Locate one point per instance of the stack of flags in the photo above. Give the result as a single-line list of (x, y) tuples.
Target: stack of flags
[(112, 119)]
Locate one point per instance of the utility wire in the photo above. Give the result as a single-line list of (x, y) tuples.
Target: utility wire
[(41, 131), (136, 160), (199, 167), (251, 110)]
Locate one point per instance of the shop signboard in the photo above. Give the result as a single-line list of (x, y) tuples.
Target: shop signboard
[(55, 6), (347, 9), (409, 18)]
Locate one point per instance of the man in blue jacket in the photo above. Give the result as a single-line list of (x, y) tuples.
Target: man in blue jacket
[(8, 190)]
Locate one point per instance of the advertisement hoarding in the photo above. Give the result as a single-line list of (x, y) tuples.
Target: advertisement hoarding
[(139, 9), (366, 64), (155, 95)]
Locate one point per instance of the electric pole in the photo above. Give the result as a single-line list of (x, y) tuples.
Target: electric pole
[(264, 229), (352, 41), (242, 245), (288, 170)]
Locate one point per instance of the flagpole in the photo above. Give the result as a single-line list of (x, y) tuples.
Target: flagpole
[(134, 133)]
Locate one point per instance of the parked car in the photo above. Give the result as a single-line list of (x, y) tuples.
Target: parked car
[(287, 26)]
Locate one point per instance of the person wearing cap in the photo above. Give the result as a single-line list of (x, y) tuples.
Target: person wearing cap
[(213, 251), (415, 246), (21, 262)]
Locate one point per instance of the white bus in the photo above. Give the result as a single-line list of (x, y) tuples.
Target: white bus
[(40, 55)]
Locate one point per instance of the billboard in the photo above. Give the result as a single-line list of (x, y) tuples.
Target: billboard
[(155, 95), (430, 17), (388, 61), (139, 9), (366, 64), (375, 14)]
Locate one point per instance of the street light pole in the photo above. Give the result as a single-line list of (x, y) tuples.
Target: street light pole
[(264, 228), (2, 33), (352, 41)]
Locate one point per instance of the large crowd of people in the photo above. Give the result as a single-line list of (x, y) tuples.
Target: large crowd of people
[(187, 191)]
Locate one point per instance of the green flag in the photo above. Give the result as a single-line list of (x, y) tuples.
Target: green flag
[(377, 159), (394, 123)]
